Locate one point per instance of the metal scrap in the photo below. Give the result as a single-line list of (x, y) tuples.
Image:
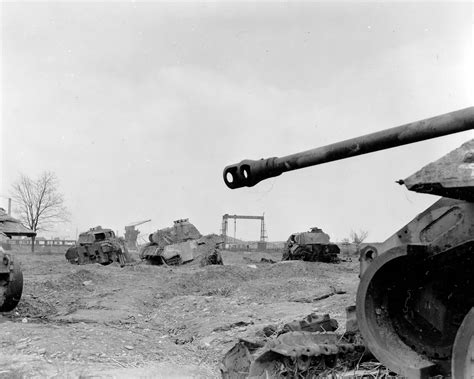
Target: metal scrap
[(306, 346)]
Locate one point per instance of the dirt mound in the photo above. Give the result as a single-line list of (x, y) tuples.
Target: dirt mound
[(214, 279), (33, 308), (291, 269), (76, 280), (228, 273)]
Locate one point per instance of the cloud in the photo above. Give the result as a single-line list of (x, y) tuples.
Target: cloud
[(138, 108)]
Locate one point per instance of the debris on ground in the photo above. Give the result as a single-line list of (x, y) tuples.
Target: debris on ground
[(311, 323), (304, 348)]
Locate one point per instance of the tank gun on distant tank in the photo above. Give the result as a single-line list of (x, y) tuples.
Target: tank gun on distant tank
[(416, 294)]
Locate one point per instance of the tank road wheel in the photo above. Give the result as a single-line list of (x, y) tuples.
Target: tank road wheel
[(10, 291), (462, 364)]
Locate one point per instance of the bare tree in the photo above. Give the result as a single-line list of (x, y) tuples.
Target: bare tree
[(39, 204), (358, 238)]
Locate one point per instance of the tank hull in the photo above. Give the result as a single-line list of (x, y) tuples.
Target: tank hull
[(172, 246), (416, 289), (103, 253), (312, 246), (174, 254)]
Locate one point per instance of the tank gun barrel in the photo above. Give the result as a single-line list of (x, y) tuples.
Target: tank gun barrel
[(248, 172)]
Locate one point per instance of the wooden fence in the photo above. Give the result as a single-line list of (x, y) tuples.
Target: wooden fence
[(41, 242)]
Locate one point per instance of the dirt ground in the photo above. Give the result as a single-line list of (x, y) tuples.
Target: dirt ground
[(96, 321)]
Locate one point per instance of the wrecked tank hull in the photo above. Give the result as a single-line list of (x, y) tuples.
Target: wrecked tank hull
[(172, 246), (416, 294), (176, 254), (181, 253), (312, 246), (103, 253), (11, 282), (202, 249), (98, 245), (428, 267), (181, 231)]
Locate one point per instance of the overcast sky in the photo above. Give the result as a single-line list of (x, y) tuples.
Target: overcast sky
[(137, 107)]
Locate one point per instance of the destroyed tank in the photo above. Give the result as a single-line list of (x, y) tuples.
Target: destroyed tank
[(415, 300), (98, 245), (172, 246), (11, 276), (312, 246)]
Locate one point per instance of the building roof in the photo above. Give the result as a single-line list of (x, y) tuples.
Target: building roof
[(11, 226)]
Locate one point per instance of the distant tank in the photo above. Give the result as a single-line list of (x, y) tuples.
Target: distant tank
[(98, 245), (11, 276), (312, 246), (415, 301), (172, 246)]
